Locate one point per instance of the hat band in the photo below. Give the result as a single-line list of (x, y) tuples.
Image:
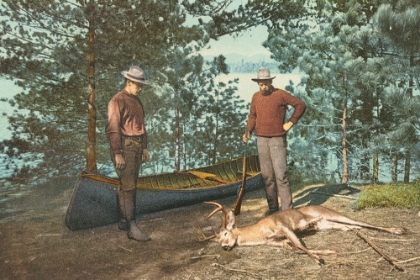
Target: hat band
[(136, 78)]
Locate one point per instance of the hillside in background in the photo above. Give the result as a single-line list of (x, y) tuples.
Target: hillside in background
[(247, 64)]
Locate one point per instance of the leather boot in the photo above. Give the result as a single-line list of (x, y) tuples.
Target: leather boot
[(123, 223), (272, 199), (128, 203), (136, 234)]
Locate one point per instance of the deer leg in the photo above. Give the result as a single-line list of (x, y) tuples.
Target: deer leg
[(286, 244), (291, 236), (310, 223), (332, 225), (347, 223), (323, 252), (337, 221)]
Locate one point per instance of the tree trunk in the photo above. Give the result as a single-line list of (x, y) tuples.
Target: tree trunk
[(91, 143), (375, 168), (407, 167), (177, 135), (345, 176), (365, 167), (394, 167)]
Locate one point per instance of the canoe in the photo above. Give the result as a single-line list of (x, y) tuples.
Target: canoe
[(94, 199)]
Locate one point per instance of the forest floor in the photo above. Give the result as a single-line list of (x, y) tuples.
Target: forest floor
[(36, 244)]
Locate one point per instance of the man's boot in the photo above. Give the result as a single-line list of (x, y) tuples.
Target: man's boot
[(123, 223), (129, 202), (272, 200)]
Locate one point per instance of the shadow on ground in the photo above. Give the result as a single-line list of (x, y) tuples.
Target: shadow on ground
[(36, 244)]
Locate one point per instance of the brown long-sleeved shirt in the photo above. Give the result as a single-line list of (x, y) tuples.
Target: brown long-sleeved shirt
[(268, 112), (125, 118)]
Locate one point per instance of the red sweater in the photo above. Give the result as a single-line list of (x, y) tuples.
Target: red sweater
[(125, 118), (268, 112)]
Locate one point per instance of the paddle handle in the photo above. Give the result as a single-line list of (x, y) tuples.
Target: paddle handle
[(237, 207)]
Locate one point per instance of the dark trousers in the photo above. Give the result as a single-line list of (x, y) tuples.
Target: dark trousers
[(132, 154), (272, 152)]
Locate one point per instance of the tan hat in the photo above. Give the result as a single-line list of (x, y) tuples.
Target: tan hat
[(135, 74), (263, 74)]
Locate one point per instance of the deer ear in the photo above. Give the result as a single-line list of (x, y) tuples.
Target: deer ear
[(230, 220)]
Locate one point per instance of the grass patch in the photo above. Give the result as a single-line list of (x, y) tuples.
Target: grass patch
[(396, 195)]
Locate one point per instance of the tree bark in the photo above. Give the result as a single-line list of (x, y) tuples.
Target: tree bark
[(91, 143), (407, 166), (394, 167), (375, 168), (177, 135), (345, 176)]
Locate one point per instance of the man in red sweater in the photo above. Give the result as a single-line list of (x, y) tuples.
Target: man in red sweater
[(267, 121), (127, 136)]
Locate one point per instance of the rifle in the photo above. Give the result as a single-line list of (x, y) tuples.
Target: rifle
[(237, 207)]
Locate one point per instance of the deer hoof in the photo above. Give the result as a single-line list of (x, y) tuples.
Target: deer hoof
[(398, 230)]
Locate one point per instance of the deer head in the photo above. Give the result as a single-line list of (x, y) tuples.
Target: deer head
[(225, 237)]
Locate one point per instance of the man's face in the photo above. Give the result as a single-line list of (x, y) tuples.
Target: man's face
[(264, 86), (134, 88)]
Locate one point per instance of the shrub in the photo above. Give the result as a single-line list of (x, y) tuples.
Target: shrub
[(397, 195)]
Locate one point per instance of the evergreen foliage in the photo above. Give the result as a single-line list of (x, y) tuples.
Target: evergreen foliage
[(45, 48), (352, 37)]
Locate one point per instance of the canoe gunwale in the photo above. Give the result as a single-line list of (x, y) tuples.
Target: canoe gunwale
[(154, 182)]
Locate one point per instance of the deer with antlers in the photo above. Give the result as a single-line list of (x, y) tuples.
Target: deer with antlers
[(280, 229)]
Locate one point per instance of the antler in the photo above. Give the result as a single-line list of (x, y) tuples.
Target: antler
[(219, 208), (203, 236)]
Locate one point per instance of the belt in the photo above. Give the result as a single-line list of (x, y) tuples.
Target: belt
[(135, 138)]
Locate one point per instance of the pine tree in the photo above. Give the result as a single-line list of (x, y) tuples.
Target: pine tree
[(67, 56), (400, 23), (340, 36)]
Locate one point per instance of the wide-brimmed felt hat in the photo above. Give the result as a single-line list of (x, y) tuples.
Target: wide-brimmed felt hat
[(135, 74), (263, 74)]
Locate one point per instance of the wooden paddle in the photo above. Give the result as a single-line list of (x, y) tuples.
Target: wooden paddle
[(205, 176), (237, 207)]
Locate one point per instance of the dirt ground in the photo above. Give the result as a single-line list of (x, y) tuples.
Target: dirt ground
[(36, 244)]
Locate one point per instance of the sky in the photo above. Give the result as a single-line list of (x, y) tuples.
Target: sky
[(248, 43)]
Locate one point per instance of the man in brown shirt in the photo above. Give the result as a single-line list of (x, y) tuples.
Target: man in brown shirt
[(267, 120), (127, 136)]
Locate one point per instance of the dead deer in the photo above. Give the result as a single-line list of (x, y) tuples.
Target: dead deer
[(280, 229)]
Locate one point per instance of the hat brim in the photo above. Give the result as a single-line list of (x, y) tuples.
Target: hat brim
[(259, 79), (124, 73)]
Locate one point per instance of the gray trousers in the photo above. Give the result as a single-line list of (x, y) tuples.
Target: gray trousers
[(272, 152)]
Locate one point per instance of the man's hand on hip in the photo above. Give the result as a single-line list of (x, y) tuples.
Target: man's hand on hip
[(287, 126)]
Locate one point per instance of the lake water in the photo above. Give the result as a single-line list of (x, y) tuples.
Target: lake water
[(7, 90)]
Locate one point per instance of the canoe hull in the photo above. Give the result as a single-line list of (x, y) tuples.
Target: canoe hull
[(94, 203)]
